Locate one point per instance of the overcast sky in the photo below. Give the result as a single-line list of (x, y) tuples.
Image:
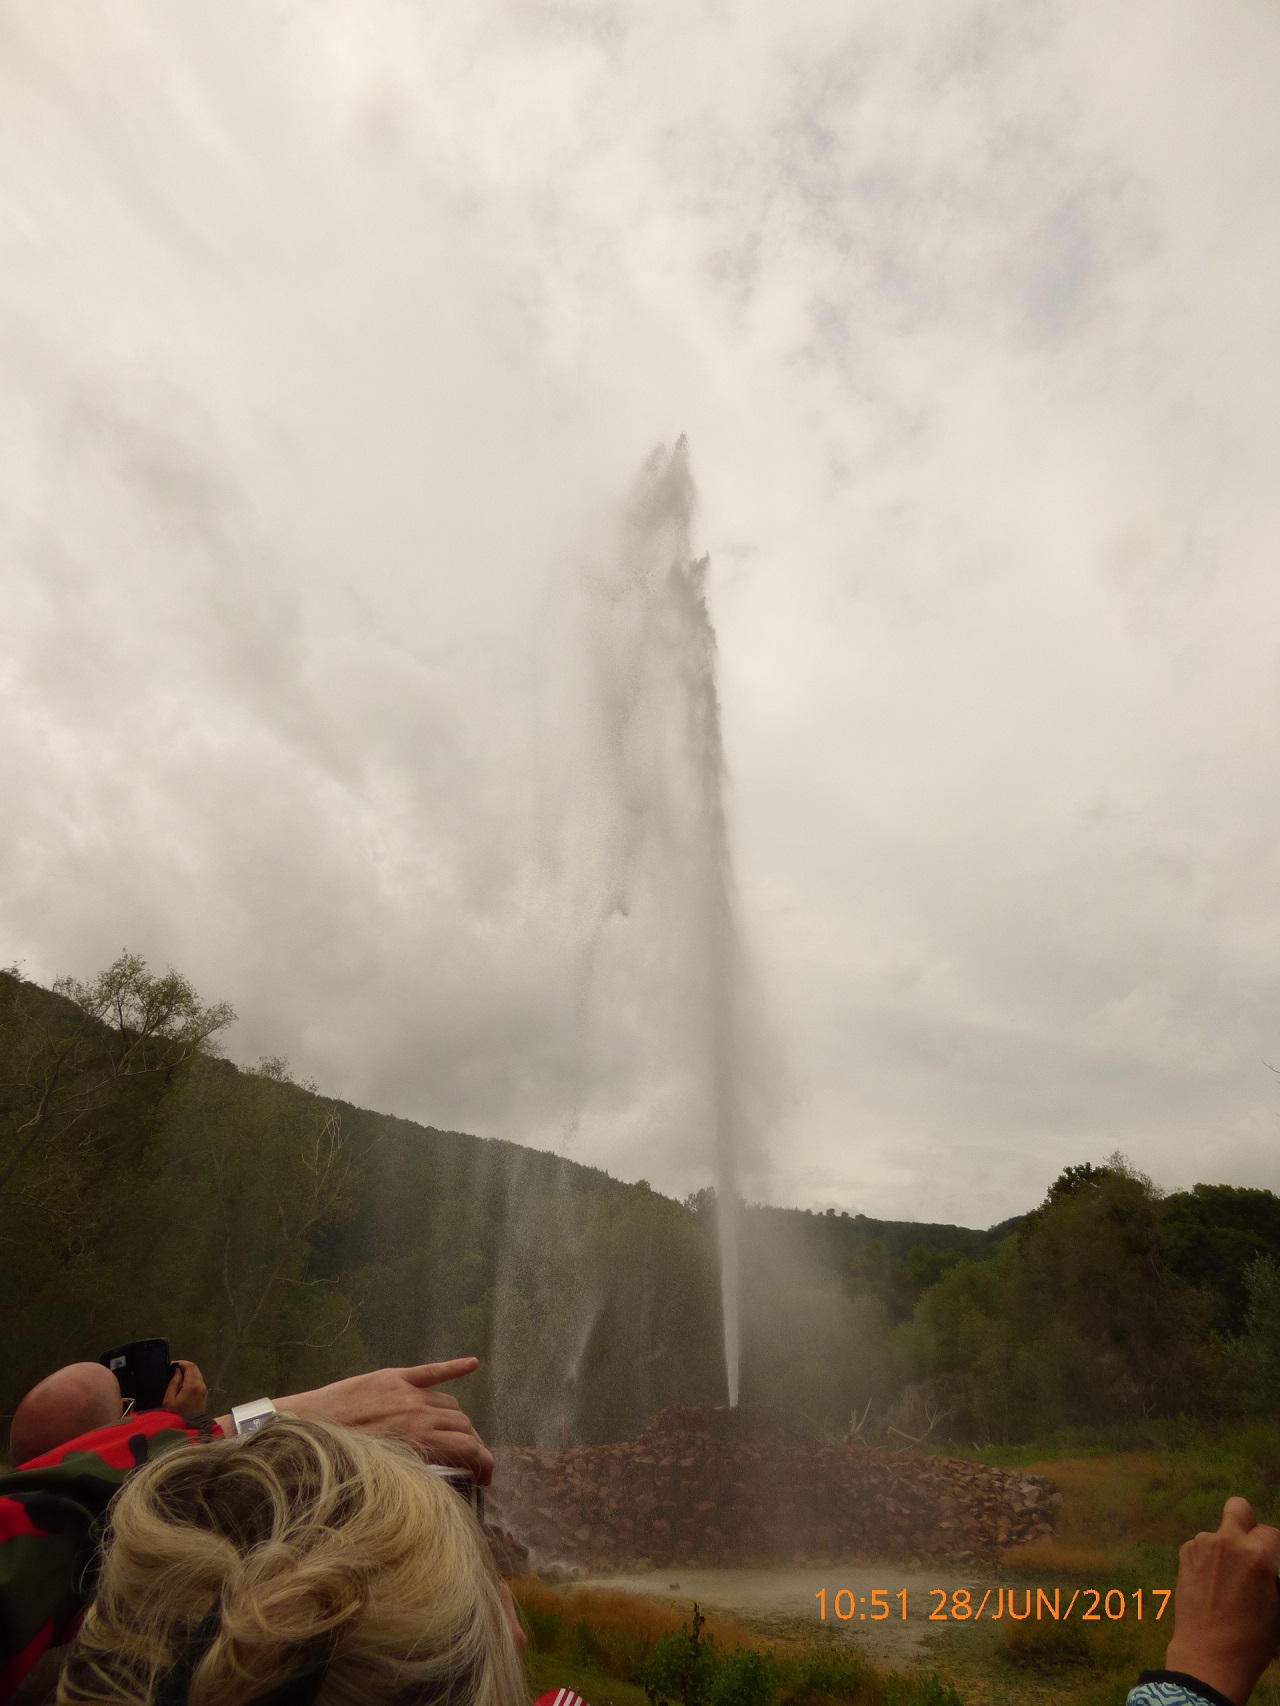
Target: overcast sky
[(332, 337)]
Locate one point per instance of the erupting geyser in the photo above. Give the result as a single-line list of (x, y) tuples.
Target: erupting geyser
[(673, 657), (688, 582)]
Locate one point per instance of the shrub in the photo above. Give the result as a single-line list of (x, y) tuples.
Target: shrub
[(681, 1666), (688, 1668), (1046, 1646)]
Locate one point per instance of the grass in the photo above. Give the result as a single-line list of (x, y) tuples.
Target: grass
[(621, 1630), (1151, 1485), (601, 1643), (1081, 1663), (1131, 1497), (599, 1688)]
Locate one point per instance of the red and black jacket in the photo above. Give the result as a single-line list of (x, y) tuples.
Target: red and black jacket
[(51, 1519)]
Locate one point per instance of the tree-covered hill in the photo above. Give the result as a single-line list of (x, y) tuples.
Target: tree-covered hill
[(282, 1238)]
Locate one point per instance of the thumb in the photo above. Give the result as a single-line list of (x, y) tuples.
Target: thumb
[(1237, 1513)]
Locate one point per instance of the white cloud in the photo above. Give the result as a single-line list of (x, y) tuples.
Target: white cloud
[(330, 335)]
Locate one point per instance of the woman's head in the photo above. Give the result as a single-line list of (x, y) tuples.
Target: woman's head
[(302, 1549)]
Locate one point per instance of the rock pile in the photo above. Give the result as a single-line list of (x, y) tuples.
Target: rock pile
[(748, 1486)]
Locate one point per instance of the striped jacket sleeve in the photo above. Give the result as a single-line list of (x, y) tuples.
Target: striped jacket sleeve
[(1174, 1688)]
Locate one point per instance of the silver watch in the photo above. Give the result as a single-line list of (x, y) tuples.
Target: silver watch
[(248, 1418)]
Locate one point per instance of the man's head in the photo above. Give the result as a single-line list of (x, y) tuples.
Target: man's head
[(72, 1401)]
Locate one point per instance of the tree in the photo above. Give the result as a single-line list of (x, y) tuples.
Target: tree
[(68, 1062), (85, 1073), (272, 1165)]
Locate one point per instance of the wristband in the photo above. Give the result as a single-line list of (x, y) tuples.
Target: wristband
[(248, 1418)]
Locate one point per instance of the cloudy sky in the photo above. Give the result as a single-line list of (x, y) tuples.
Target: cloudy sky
[(333, 334)]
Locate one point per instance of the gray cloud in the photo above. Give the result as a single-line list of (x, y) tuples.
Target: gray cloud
[(328, 348)]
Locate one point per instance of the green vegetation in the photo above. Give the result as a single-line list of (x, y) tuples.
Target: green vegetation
[(627, 1649), (283, 1238), (686, 1668), (1131, 1500), (615, 1647), (1110, 1306), (1023, 1664)]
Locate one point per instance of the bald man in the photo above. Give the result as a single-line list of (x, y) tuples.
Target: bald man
[(72, 1401), (83, 1396)]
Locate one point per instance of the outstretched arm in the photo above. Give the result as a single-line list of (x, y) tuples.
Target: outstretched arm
[(404, 1402)]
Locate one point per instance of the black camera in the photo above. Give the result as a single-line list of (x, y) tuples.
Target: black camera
[(464, 1484), (144, 1369)]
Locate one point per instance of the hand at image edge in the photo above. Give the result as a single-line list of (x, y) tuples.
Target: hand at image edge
[(1226, 1603)]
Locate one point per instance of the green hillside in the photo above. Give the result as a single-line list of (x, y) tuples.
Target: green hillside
[(282, 1238)]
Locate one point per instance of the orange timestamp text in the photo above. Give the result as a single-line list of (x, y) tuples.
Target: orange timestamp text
[(962, 1605)]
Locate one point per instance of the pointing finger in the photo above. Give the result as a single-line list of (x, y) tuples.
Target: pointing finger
[(435, 1373)]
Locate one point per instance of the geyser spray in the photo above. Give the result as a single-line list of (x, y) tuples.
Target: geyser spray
[(676, 639)]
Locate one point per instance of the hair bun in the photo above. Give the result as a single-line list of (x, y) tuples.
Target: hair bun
[(281, 1594)]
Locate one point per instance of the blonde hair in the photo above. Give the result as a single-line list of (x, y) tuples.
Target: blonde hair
[(317, 1543)]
